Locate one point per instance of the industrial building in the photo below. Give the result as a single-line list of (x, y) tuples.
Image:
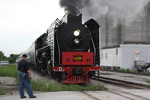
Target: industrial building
[(124, 44)]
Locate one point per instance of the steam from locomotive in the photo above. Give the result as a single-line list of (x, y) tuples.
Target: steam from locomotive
[(125, 11), (74, 6)]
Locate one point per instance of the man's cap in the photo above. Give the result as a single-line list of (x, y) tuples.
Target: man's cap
[(24, 55)]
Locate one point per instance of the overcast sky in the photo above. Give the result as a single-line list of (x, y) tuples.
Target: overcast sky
[(22, 21)]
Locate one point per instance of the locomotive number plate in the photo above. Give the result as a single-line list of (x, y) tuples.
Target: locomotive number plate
[(77, 58)]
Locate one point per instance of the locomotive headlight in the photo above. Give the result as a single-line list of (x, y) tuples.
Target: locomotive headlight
[(76, 41), (76, 33)]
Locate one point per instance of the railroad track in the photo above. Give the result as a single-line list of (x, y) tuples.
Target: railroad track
[(121, 82)]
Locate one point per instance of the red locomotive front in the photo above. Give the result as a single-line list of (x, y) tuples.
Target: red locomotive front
[(77, 65)]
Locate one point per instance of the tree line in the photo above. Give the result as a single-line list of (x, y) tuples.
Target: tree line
[(12, 58)]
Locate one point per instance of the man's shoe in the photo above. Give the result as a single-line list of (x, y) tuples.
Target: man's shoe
[(33, 96), (23, 97)]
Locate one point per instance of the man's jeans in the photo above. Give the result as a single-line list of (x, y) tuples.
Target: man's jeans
[(25, 82)]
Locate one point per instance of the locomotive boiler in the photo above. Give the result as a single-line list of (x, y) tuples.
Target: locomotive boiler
[(68, 51)]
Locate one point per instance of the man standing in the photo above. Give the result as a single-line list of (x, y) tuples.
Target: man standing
[(25, 76)]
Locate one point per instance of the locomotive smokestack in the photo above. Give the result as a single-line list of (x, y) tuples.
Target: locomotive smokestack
[(73, 6)]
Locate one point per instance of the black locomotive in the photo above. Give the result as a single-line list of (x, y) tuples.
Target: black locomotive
[(68, 51)]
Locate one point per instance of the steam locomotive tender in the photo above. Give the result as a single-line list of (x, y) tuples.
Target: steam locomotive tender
[(68, 51)]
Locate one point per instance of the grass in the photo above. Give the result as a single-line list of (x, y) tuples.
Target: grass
[(133, 71), (42, 86), (2, 93), (39, 85), (125, 70), (146, 72), (8, 71)]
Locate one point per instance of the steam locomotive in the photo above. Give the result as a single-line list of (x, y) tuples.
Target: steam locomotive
[(68, 51)]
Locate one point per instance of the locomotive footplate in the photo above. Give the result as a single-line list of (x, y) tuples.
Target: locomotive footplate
[(77, 75)]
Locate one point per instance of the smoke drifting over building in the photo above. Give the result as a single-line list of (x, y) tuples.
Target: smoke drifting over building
[(121, 21), (125, 10)]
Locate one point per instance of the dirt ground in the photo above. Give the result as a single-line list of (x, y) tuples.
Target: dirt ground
[(10, 87)]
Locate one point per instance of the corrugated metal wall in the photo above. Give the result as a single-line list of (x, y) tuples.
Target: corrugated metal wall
[(147, 31), (137, 32)]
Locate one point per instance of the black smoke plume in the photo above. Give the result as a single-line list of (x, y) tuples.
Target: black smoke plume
[(124, 10), (74, 6)]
